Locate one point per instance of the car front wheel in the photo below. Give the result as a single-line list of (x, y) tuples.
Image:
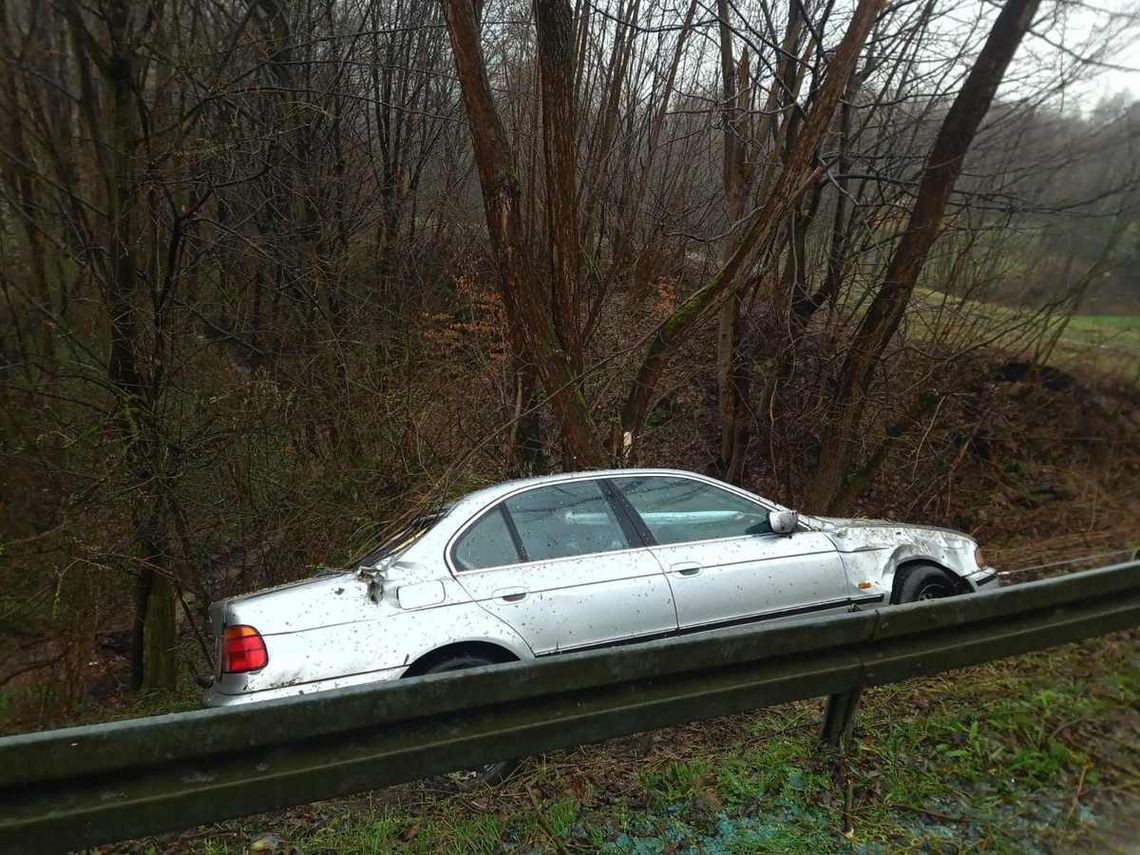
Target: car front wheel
[(925, 583)]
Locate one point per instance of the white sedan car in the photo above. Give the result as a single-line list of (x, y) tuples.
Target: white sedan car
[(569, 562)]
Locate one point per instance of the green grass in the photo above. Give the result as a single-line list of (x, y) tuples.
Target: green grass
[(1108, 344), (1125, 323), (1025, 755), (384, 830), (1121, 332)]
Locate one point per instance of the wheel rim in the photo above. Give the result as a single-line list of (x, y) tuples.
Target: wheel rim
[(933, 591)]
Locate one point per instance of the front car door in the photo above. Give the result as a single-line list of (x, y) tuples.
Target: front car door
[(559, 565), (723, 561)]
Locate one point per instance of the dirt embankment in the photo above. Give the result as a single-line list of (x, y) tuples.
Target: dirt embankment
[(1040, 464)]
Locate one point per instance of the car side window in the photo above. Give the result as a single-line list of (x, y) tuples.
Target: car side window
[(681, 510), (565, 520), (487, 543)]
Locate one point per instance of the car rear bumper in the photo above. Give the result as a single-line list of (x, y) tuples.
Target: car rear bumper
[(216, 697)]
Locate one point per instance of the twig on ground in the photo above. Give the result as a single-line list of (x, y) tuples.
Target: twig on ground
[(558, 844), (1077, 794), (1066, 725)]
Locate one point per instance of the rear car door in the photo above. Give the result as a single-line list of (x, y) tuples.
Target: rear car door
[(723, 561), (558, 564)]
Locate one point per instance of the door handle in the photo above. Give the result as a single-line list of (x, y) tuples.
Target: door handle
[(687, 568), (511, 595)]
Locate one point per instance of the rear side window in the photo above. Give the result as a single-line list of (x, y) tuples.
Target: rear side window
[(486, 544), (680, 510), (565, 520)]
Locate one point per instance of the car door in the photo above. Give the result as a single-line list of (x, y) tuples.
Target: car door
[(559, 565), (723, 561)]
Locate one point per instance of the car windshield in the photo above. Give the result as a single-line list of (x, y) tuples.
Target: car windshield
[(402, 538)]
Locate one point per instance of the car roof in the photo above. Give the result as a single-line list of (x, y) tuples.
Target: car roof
[(492, 492)]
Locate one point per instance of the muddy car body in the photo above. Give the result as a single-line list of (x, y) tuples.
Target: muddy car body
[(533, 568)]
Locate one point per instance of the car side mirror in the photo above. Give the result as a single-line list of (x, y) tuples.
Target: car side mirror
[(783, 522)]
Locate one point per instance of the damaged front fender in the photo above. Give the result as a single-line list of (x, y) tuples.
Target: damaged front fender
[(874, 550)]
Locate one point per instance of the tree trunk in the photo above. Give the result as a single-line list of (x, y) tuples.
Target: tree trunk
[(939, 175), (116, 138), (18, 175), (735, 81), (528, 309), (554, 26), (153, 636), (524, 444)]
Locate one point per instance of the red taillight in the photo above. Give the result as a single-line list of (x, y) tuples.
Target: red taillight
[(243, 649)]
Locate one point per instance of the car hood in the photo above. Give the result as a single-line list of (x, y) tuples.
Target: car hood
[(873, 534)]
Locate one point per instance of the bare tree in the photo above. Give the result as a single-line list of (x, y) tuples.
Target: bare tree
[(942, 168), (794, 178)]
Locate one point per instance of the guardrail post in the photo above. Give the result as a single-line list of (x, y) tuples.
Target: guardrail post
[(839, 718)]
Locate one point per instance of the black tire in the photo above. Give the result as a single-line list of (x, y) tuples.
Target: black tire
[(491, 773), (925, 582)]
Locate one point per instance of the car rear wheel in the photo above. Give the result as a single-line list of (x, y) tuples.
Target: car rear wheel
[(490, 773), (926, 583)]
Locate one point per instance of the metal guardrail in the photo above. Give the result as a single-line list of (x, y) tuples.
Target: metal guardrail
[(81, 786), (1133, 553)]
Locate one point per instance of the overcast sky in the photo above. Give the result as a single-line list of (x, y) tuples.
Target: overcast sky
[(1097, 23)]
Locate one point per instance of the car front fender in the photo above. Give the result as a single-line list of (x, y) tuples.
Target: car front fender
[(874, 553)]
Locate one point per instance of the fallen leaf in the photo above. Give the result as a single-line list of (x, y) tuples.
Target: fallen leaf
[(264, 843)]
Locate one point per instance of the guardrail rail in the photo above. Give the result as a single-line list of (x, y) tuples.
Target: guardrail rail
[(76, 787)]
